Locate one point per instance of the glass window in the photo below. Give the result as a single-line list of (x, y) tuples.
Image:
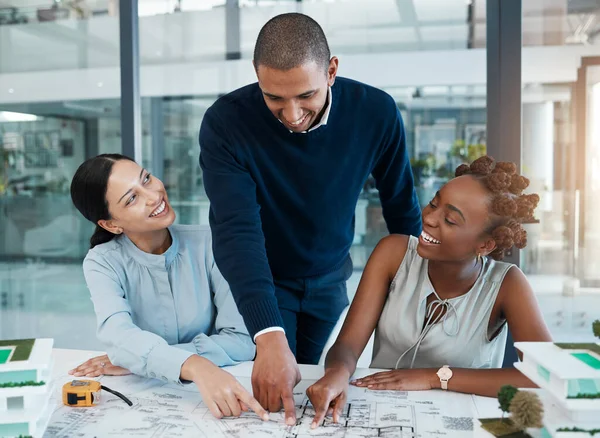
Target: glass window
[(181, 173), (560, 156), (59, 104), (445, 126)]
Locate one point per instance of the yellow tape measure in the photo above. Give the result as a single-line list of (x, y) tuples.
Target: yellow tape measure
[(86, 393)]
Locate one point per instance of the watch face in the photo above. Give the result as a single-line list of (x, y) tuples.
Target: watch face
[(444, 373)]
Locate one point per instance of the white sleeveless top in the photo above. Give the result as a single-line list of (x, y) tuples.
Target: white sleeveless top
[(460, 338)]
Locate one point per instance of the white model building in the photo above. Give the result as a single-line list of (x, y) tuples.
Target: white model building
[(569, 377), (25, 369)]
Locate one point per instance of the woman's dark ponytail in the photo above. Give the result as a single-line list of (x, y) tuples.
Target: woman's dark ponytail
[(100, 236), (88, 193)]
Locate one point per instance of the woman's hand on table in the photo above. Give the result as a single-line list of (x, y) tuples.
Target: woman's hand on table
[(400, 380), (98, 366)]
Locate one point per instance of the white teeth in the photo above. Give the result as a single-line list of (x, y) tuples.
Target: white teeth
[(429, 239), (299, 121), (159, 209)]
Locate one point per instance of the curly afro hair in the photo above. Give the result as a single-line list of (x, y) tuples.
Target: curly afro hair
[(509, 205)]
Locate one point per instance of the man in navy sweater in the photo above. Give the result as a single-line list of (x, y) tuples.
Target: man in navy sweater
[(284, 161)]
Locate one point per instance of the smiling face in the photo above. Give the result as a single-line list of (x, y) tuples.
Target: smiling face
[(455, 222), (297, 96), (137, 201)]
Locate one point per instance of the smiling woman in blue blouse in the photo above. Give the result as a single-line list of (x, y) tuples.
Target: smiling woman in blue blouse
[(163, 308)]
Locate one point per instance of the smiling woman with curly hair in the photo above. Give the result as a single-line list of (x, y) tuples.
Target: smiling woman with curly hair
[(441, 305)]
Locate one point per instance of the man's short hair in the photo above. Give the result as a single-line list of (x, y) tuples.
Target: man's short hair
[(291, 40)]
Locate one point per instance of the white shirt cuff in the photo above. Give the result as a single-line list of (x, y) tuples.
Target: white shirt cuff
[(268, 330)]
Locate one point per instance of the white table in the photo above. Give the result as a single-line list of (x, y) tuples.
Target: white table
[(64, 360)]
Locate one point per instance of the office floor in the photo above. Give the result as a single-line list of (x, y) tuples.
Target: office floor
[(42, 300)]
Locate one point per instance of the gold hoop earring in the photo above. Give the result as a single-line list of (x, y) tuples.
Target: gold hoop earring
[(479, 258)]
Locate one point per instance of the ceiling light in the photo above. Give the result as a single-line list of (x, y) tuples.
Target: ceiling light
[(85, 108), (8, 116)]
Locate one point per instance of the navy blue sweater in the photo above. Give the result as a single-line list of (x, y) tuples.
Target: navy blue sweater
[(282, 203)]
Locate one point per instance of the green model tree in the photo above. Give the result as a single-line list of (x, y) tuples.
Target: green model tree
[(596, 328), (527, 410), (505, 396)]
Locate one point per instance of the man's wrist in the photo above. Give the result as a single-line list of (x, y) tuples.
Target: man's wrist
[(268, 330), (271, 339)]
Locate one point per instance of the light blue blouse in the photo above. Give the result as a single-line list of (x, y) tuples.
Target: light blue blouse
[(155, 311)]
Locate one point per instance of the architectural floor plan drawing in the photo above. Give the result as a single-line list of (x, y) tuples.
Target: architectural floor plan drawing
[(164, 410)]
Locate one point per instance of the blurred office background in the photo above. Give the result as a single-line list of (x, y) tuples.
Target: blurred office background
[(60, 104)]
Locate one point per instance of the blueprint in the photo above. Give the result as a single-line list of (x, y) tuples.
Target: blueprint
[(166, 410)]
